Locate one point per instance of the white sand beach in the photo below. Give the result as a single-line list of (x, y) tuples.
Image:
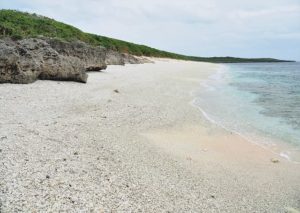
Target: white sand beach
[(130, 140)]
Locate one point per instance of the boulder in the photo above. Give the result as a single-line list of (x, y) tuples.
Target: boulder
[(27, 60), (95, 68), (116, 58), (92, 57)]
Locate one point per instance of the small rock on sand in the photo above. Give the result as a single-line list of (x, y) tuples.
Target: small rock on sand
[(274, 160)]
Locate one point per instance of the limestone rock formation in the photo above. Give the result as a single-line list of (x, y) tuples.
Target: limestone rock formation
[(27, 60), (92, 58), (114, 58), (117, 58)]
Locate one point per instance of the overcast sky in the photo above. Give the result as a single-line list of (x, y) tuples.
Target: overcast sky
[(245, 28)]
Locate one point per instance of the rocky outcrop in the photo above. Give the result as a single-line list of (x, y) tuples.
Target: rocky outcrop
[(27, 60), (144, 60), (96, 68), (92, 58), (116, 58)]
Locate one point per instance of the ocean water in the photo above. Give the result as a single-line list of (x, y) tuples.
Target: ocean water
[(259, 101)]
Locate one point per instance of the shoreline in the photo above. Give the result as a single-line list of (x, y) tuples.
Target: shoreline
[(277, 147), (142, 148), (282, 144), (280, 154)]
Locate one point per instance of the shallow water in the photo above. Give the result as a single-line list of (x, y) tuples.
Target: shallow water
[(261, 102)]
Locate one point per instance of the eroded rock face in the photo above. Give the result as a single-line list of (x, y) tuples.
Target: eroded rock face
[(92, 58), (31, 59), (27, 60), (96, 68), (114, 58)]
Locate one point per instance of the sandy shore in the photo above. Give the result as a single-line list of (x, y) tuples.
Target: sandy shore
[(130, 140)]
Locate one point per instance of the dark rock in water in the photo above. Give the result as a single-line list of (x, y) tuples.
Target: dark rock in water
[(31, 59)]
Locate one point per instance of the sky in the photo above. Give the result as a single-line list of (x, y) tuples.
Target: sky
[(240, 28)]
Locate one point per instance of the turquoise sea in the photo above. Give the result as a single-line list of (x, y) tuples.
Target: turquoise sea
[(259, 101)]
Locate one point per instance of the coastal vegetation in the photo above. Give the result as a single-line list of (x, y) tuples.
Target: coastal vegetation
[(18, 25)]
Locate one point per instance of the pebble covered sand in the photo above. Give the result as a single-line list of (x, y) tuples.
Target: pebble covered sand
[(110, 146)]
